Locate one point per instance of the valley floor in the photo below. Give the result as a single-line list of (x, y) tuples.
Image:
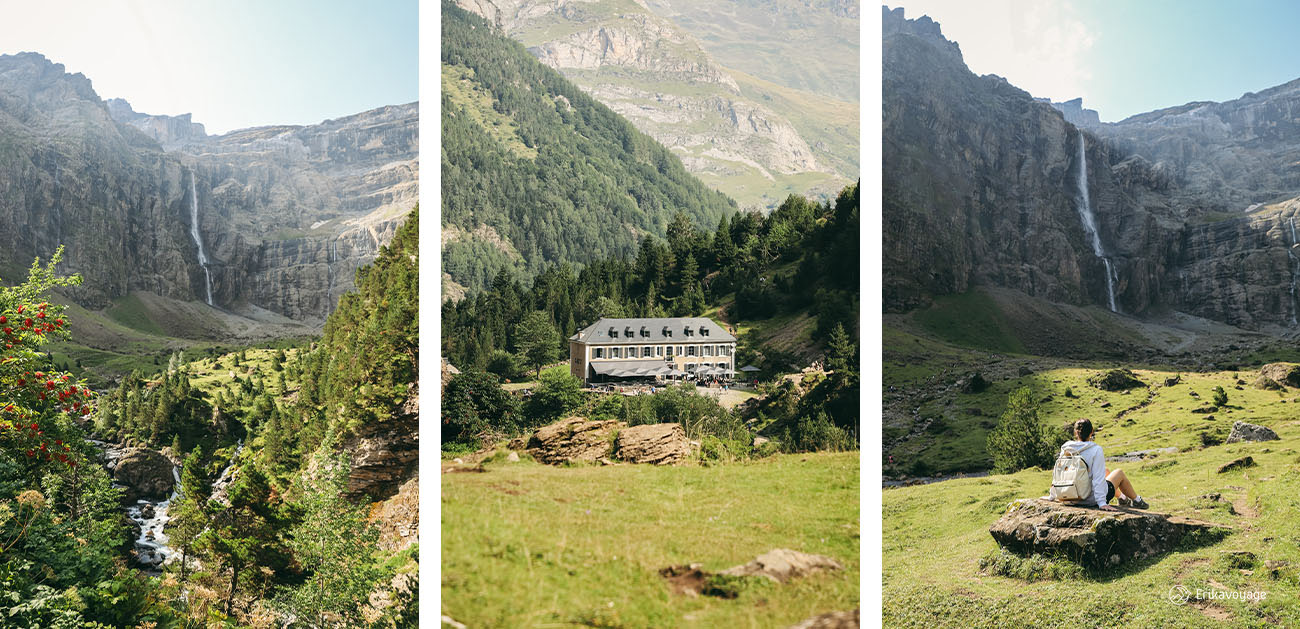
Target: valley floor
[(527, 545)]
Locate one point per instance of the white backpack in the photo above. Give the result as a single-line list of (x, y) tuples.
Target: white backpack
[(1071, 480)]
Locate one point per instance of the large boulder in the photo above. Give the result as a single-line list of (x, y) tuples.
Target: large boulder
[(1094, 538), (661, 444), (573, 439), (1115, 380), (1241, 431), (1284, 374), (147, 474)]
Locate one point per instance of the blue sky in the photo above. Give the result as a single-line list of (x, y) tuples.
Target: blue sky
[(1124, 58), (232, 63)]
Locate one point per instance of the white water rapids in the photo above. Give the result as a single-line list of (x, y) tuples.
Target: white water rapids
[(152, 549), (1090, 224), (198, 238)]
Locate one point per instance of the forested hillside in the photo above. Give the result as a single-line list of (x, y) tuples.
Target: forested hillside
[(295, 490), (535, 172)]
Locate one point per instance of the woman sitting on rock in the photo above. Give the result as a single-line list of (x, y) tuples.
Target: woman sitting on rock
[(1108, 482)]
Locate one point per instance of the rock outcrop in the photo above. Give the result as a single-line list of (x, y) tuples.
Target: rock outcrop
[(1241, 431), (660, 444), (574, 439), (1237, 464), (386, 454), (145, 473), (1094, 538), (782, 565), (1115, 380), (398, 517), (832, 620), (1282, 374)]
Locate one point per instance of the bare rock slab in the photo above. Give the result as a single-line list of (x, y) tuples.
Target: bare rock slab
[(833, 620), (1241, 431), (660, 444), (1281, 374), (1094, 538), (1238, 464), (782, 564), (573, 439)]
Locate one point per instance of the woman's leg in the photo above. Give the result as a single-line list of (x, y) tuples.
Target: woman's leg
[(1123, 487)]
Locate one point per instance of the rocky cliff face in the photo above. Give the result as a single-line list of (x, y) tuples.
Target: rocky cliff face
[(657, 76), (286, 214), (981, 187)]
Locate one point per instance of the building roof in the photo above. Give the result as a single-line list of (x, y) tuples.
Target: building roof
[(654, 330)]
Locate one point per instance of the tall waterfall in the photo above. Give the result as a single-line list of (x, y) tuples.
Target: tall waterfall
[(198, 238), (1290, 254), (1090, 224)]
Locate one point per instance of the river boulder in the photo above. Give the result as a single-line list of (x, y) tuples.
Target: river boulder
[(147, 474), (1093, 538)]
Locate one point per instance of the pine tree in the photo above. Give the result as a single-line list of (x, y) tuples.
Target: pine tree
[(536, 340), (334, 544)]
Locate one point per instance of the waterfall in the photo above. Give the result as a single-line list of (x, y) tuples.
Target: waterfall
[(1090, 225), (1290, 254), (198, 238)]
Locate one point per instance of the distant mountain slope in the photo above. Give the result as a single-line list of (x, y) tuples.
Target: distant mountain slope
[(535, 171), (285, 214), (750, 134)]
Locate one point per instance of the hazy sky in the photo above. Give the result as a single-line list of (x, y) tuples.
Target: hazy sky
[(1124, 58), (232, 63)]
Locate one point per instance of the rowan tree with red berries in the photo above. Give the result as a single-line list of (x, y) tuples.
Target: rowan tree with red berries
[(37, 402)]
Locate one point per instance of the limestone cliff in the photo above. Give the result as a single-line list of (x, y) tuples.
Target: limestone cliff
[(285, 214), (1194, 205)]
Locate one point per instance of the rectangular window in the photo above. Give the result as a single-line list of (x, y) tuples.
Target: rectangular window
[(670, 351), (614, 353), (631, 352), (690, 350), (647, 351), (600, 352), (708, 350), (659, 350)]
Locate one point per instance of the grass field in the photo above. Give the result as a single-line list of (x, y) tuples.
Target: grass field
[(529, 545), (935, 535)]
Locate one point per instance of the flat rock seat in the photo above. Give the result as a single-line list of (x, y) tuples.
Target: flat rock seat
[(1093, 538)]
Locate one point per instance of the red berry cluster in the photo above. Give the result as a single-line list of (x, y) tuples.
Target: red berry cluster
[(39, 326)]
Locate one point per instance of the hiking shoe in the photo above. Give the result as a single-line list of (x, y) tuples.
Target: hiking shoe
[(1139, 503), (1123, 502)]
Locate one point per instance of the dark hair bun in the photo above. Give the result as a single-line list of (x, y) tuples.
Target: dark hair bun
[(1082, 429)]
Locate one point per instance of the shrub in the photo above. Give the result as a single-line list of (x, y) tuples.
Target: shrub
[(813, 434), (558, 394), (1220, 396), (1020, 440), (473, 403)]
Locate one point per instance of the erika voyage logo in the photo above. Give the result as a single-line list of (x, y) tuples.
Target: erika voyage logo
[(1179, 594)]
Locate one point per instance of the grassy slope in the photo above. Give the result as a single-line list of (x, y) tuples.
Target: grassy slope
[(932, 577), (931, 571), (525, 544)]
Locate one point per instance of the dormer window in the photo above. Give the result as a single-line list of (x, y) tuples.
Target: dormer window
[(704, 331), (645, 331), (627, 331), (687, 331), (667, 332), (613, 333)]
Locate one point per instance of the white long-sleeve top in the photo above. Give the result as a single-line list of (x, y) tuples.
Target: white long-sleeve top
[(1092, 455)]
